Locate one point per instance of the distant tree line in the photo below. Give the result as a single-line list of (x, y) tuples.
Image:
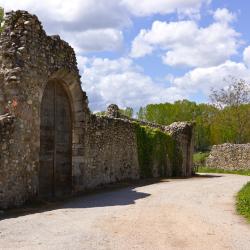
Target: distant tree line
[(227, 119)]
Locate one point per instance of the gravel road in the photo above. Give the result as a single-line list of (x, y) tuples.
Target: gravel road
[(196, 213)]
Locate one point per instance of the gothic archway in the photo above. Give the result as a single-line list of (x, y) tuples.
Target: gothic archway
[(55, 171)]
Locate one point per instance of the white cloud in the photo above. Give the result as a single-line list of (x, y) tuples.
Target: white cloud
[(75, 14), (224, 15), (201, 80), (95, 40), (246, 56), (122, 82), (185, 44), (149, 7), (78, 19), (89, 25)]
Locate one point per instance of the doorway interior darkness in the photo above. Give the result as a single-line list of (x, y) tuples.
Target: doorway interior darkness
[(55, 171)]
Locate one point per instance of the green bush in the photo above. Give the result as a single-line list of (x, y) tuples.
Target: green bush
[(199, 159), (243, 201)]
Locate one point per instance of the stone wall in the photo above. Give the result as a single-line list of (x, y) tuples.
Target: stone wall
[(104, 149), (183, 133), (229, 157), (109, 155)]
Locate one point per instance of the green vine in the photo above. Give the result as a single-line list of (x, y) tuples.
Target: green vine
[(156, 150)]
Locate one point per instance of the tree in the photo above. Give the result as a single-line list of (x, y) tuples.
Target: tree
[(233, 102), (100, 113), (127, 112)]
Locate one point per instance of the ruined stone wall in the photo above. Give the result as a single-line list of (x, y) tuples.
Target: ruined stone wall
[(183, 133), (29, 59), (104, 149), (229, 157), (6, 140), (110, 153)]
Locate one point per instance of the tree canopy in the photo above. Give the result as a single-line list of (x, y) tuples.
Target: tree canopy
[(227, 119)]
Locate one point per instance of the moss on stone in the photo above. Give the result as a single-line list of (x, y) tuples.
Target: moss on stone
[(155, 149)]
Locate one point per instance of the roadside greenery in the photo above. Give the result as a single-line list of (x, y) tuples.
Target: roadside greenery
[(199, 159), (222, 171), (243, 201)]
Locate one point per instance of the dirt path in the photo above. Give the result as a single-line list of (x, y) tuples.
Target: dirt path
[(195, 213)]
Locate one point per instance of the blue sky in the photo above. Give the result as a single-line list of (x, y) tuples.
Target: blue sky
[(133, 53)]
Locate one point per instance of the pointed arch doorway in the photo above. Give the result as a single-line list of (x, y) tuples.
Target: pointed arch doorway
[(55, 171)]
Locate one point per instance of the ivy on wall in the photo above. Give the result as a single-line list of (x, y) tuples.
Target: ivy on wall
[(156, 151), (1, 19)]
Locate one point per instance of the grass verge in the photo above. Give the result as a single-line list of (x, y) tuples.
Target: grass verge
[(222, 171), (243, 201)]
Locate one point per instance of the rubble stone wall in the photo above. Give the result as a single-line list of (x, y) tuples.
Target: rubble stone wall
[(109, 155), (229, 157), (104, 149)]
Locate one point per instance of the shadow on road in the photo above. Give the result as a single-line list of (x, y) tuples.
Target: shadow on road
[(123, 197), (109, 196), (207, 176), (119, 194)]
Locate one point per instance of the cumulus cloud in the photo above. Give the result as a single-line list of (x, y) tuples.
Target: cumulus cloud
[(147, 7), (246, 56), (95, 40), (89, 25), (87, 18), (125, 83), (183, 43), (122, 82), (224, 15), (201, 80)]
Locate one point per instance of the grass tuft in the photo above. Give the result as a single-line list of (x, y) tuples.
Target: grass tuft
[(243, 201), (222, 171)]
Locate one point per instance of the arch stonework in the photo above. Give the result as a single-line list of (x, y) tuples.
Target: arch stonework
[(29, 60)]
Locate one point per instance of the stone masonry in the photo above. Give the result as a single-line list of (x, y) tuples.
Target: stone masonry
[(100, 150), (229, 157)]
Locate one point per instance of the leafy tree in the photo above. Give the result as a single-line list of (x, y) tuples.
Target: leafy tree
[(127, 112), (233, 120), (141, 114), (100, 113)]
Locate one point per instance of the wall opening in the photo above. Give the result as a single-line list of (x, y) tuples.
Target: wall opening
[(55, 170)]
